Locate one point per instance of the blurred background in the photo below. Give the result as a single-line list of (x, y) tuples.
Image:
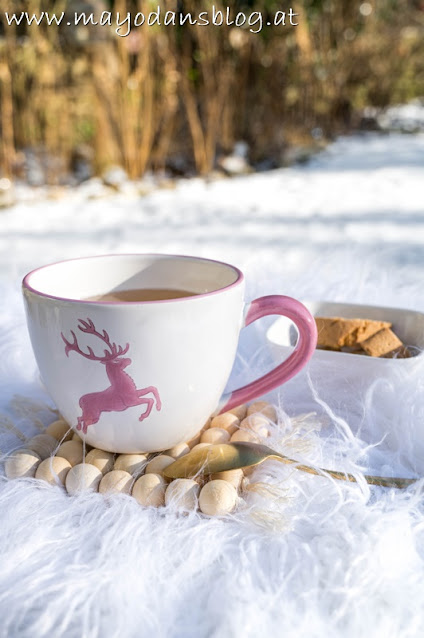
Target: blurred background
[(77, 100)]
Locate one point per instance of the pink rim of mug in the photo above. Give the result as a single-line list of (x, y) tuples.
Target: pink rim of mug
[(26, 280)]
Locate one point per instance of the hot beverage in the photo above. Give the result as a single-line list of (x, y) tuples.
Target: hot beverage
[(142, 294)]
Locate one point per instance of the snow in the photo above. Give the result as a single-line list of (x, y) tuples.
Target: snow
[(348, 226), (408, 118), (361, 191)]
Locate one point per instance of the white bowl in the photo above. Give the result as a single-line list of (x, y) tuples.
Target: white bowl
[(351, 386)]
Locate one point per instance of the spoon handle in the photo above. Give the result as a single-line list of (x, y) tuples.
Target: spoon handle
[(383, 481)]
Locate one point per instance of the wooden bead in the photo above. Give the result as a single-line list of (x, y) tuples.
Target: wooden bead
[(150, 490), (132, 463), (43, 444), (194, 439), (243, 435), (76, 437), (53, 470), (256, 423), (21, 463), (207, 425), (178, 450), (217, 498), (197, 438), (72, 451), (227, 422), (82, 477), (264, 408), (158, 464), (215, 435), (60, 430), (182, 495), (240, 411), (116, 482), (234, 477), (102, 460)]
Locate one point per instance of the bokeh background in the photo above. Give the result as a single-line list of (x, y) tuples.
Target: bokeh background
[(178, 98)]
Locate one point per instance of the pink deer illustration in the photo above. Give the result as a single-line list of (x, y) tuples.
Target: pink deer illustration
[(122, 393)]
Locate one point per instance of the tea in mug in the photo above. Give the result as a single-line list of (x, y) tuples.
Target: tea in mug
[(142, 294)]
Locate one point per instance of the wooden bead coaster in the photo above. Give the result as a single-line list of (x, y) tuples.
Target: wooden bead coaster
[(59, 457)]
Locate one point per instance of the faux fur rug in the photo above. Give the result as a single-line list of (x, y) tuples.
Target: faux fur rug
[(305, 556)]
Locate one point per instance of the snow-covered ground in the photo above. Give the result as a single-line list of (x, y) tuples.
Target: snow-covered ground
[(347, 226), (362, 192)]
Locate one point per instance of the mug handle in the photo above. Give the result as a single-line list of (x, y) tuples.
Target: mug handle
[(303, 351)]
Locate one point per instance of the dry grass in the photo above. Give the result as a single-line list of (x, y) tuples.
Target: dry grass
[(166, 92)]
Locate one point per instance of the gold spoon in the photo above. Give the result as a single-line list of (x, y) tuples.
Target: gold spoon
[(232, 456)]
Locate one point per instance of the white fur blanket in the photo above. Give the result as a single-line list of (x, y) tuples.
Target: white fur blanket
[(304, 555)]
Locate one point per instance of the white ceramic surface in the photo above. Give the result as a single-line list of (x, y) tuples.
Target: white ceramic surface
[(145, 376), (360, 389), (167, 342)]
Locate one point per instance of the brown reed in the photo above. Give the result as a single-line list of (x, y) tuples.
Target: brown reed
[(188, 92)]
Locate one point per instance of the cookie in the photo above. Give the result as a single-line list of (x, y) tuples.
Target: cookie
[(383, 344), (336, 333)]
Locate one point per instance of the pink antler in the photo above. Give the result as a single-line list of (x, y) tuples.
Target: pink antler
[(88, 327)]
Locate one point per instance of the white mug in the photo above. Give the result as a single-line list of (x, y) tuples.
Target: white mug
[(144, 376)]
